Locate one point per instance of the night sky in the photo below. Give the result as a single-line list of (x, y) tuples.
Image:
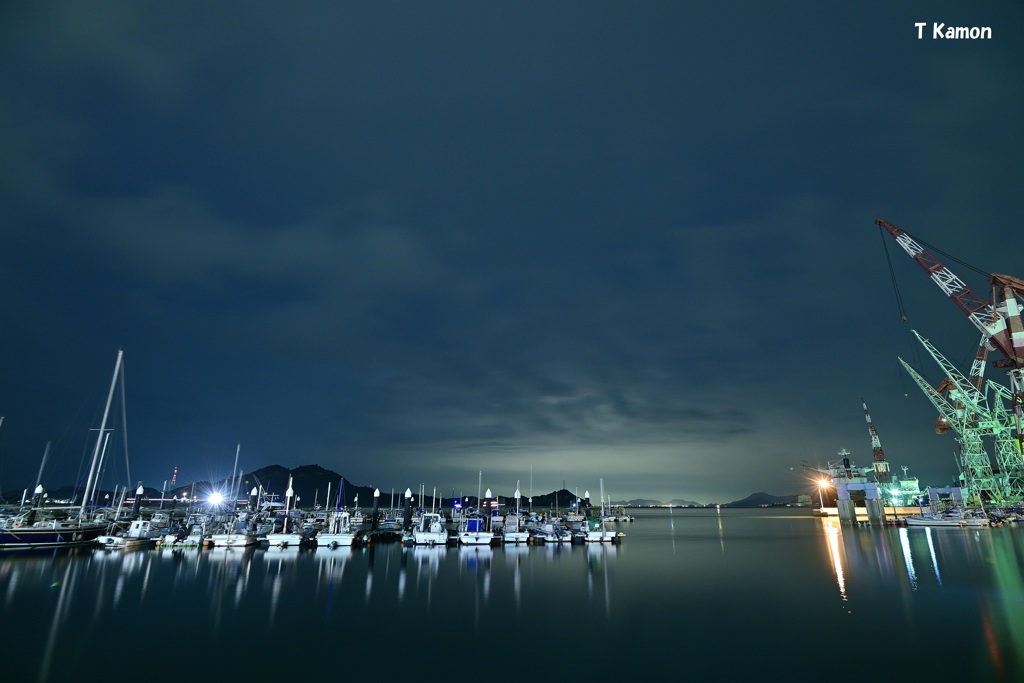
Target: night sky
[(552, 242)]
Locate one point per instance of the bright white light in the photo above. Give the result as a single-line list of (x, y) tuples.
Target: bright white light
[(216, 499)]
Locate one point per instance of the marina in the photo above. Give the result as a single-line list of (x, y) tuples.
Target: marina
[(685, 578)]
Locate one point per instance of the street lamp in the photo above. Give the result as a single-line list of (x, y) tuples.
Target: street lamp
[(822, 484)]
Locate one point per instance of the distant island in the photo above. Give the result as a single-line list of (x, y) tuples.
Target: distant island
[(313, 485)]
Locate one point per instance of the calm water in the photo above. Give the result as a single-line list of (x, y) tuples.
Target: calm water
[(695, 594)]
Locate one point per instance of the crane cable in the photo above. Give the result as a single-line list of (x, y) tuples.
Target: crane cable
[(903, 314)]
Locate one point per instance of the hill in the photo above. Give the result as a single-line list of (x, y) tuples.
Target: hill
[(761, 499)]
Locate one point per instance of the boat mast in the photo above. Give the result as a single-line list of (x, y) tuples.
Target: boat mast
[(234, 471), (46, 452), (287, 501), (89, 483)]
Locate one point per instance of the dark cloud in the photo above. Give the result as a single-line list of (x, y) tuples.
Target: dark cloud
[(561, 243)]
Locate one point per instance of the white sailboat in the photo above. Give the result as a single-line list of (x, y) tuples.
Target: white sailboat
[(512, 531), (236, 532), (338, 532), (473, 530), (285, 538), (596, 530)]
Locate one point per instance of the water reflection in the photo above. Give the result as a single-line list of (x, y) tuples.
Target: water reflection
[(331, 571), (721, 529), (904, 583), (958, 561), (832, 540), (908, 558), (475, 566), (597, 572)]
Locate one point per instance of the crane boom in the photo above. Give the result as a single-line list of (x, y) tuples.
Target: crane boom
[(975, 466), (1001, 324), (980, 312), (969, 389), (881, 466)]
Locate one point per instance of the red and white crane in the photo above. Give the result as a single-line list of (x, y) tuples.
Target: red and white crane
[(999, 320), (882, 474)]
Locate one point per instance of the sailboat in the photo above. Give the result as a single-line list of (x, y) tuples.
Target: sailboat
[(235, 533), (286, 539), (473, 527), (512, 531), (596, 529), (25, 531), (339, 530)]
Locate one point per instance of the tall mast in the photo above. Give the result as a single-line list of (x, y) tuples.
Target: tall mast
[(882, 474), (234, 471), (89, 483)]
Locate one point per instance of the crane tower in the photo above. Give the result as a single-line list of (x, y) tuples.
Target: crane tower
[(882, 474)]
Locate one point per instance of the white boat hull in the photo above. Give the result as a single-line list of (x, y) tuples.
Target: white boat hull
[(334, 540), (429, 537), (232, 540), (123, 542), (475, 537), (140, 533), (946, 520), (514, 537), (171, 541), (284, 540)]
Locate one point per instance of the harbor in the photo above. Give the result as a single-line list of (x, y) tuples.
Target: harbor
[(359, 341), (682, 580)]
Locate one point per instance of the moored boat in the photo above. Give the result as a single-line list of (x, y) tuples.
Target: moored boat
[(23, 532), (140, 534), (473, 531), (338, 532), (237, 534), (512, 530), (955, 517), (189, 534), (429, 531), (20, 534), (286, 538), (595, 530)]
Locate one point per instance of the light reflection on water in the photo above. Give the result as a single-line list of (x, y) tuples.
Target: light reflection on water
[(791, 587)]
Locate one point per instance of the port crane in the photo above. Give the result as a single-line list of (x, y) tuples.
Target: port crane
[(1005, 443), (999, 321), (882, 474), (973, 416), (972, 459)]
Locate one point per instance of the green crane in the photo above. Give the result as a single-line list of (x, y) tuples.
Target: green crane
[(972, 460)]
